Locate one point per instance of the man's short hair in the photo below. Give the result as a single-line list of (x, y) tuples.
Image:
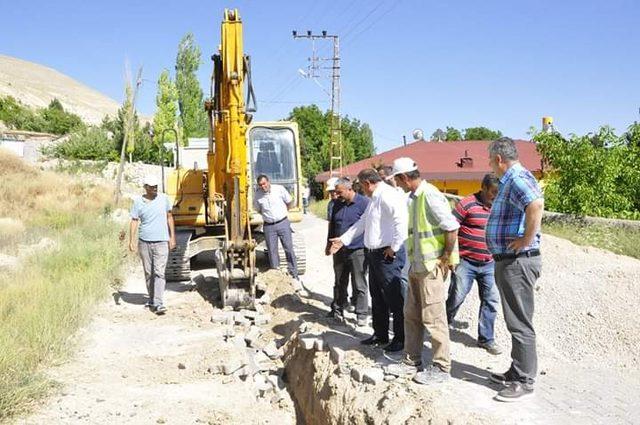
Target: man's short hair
[(386, 169), (505, 147), (345, 182), (262, 176), (413, 175), (369, 175), (490, 180)]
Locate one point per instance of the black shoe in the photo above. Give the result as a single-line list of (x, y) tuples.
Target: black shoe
[(394, 346), (160, 310), (335, 315), (505, 379), (374, 340), (515, 392)]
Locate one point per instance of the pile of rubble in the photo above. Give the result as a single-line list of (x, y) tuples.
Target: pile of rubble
[(250, 355)]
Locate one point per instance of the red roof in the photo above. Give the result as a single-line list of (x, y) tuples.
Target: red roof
[(443, 160)]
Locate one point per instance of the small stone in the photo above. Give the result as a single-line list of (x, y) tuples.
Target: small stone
[(161, 421), (265, 299), (252, 336), (262, 319), (319, 344), (259, 308), (304, 327), (240, 320), (373, 376), (231, 365), (389, 378), (272, 351), (181, 366), (229, 332), (220, 316), (308, 343), (337, 355), (356, 374), (238, 341), (249, 314), (543, 372), (276, 382)]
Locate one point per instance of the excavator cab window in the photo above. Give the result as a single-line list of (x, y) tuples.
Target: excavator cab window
[(273, 153)]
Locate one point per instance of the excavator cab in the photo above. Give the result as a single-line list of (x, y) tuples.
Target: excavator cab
[(274, 151)]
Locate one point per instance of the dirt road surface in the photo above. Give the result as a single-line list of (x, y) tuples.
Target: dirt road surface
[(134, 367)]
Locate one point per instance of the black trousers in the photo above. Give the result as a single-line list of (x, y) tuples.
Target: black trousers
[(350, 262), (387, 291)]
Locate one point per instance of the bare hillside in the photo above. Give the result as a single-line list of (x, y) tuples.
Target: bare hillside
[(36, 85)]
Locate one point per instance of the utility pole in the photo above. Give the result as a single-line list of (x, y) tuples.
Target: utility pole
[(335, 143), (128, 127)]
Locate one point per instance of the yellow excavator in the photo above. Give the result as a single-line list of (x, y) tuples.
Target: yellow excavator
[(212, 207)]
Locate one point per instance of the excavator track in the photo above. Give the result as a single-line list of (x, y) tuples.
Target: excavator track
[(300, 251), (179, 261)]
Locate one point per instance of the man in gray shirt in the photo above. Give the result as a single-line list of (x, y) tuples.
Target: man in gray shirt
[(273, 201)]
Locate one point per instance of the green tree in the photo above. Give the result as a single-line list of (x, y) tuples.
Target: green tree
[(357, 139), (481, 133), (452, 134), (167, 106), (595, 174), (190, 98)]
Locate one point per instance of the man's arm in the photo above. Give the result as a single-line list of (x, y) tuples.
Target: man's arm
[(172, 231), (354, 231), (133, 234), (287, 198), (532, 222), (397, 207)]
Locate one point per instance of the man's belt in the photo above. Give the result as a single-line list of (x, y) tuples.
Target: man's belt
[(512, 256), (275, 222), (377, 249)]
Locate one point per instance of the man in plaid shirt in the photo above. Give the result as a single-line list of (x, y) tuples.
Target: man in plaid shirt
[(513, 237)]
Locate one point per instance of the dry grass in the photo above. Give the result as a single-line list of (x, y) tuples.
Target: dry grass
[(319, 208), (46, 300)]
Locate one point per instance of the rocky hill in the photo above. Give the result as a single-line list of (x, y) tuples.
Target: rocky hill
[(36, 85)]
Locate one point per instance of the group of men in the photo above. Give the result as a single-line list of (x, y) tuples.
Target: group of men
[(491, 237), (404, 232)]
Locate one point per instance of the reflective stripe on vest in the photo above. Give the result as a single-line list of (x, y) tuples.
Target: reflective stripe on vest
[(430, 235)]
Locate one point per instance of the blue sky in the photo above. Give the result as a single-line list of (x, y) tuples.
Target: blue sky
[(405, 64)]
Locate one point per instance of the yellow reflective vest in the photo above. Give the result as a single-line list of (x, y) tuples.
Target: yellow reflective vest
[(430, 235)]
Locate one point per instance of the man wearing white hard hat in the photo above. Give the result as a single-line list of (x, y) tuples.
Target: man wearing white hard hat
[(330, 187), (152, 234), (432, 252)]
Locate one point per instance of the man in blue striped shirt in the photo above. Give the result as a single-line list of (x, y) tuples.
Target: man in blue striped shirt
[(513, 237)]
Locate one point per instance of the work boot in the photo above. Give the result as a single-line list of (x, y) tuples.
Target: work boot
[(491, 347), (394, 346), (515, 392), (505, 379), (403, 369), (431, 375)]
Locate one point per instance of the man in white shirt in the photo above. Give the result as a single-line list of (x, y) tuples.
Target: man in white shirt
[(273, 201), (384, 224)]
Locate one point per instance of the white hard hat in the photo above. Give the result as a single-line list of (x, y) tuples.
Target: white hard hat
[(331, 184), (150, 180), (403, 165)]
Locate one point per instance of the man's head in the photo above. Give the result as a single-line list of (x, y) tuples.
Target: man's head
[(386, 173), (331, 188), (406, 174), (344, 189), (489, 188), (264, 183), (369, 180), (150, 184), (502, 154)]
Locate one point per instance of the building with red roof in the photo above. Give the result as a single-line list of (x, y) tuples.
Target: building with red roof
[(454, 167)]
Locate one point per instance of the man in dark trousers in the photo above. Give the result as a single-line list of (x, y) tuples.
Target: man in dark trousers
[(273, 201), (384, 225), (350, 259), (513, 237)]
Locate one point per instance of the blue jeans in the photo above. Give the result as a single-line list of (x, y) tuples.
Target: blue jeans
[(461, 283)]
